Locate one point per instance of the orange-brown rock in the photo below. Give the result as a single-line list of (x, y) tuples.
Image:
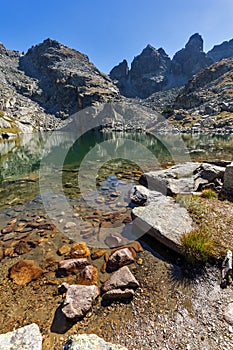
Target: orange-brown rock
[(9, 227), (88, 276), (21, 248), (64, 249), (24, 272), (79, 250), (98, 254)]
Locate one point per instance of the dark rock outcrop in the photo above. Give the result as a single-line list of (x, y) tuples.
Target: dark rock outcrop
[(49, 81), (188, 61), (210, 87), (149, 71), (153, 70), (224, 50)]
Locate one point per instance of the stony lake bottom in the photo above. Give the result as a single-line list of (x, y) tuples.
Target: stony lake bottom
[(39, 187)]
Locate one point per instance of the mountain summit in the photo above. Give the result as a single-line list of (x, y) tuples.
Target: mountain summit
[(153, 70)]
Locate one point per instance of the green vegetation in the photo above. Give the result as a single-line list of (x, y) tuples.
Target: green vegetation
[(209, 193), (168, 111), (213, 233), (1, 114), (198, 246)]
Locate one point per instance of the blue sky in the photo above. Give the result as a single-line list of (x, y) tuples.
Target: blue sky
[(109, 31)]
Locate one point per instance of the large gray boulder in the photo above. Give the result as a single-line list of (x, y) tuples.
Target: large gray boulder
[(25, 338), (90, 342), (177, 179), (165, 220), (79, 300)]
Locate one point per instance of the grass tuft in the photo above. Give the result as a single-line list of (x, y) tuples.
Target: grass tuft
[(209, 193)]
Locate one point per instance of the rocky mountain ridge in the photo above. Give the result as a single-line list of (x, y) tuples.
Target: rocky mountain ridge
[(153, 70), (47, 84)]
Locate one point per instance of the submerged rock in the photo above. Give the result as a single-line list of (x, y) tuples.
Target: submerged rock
[(89, 342), (25, 338), (24, 272), (79, 300), (79, 250)]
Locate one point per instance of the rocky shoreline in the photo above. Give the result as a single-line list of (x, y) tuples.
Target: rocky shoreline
[(146, 300)]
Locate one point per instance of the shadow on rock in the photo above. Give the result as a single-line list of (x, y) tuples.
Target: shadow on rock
[(61, 324)]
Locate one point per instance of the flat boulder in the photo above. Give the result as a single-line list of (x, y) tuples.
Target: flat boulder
[(165, 220), (90, 342), (25, 338), (79, 300), (177, 179), (121, 279)]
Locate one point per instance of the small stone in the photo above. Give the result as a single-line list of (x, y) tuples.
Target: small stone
[(64, 249), (71, 265), (136, 246), (121, 279), (228, 313), (79, 300), (9, 252), (139, 261), (120, 258), (69, 225), (98, 254), (113, 240), (24, 272), (118, 294), (10, 227), (79, 250), (88, 276), (21, 248)]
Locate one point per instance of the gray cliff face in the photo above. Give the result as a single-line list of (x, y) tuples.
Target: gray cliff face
[(189, 61)]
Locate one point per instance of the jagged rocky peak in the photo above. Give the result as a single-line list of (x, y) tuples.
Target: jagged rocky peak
[(150, 67), (195, 42), (224, 50), (120, 71), (189, 60)]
